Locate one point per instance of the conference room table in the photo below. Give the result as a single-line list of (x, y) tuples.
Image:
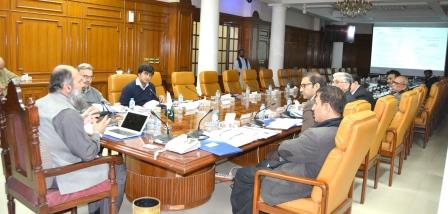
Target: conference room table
[(182, 181)]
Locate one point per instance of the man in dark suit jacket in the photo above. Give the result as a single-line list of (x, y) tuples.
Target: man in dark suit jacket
[(358, 92)]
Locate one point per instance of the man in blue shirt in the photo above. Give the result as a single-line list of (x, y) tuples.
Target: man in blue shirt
[(142, 90)]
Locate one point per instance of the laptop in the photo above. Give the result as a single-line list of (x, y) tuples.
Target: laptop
[(132, 125)]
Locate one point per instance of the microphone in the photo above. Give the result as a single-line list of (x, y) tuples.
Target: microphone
[(199, 133), (105, 109), (154, 94), (260, 122), (193, 90), (163, 138)]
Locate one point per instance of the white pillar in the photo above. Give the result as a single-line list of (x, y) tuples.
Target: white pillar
[(336, 58), (208, 40), (277, 42)]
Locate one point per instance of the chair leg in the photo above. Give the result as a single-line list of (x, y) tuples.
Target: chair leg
[(364, 184), (11, 205), (377, 167), (400, 163), (391, 169), (425, 136)]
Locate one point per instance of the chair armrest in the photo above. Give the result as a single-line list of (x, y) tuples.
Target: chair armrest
[(394, 137), (111, 160), (292, 178)]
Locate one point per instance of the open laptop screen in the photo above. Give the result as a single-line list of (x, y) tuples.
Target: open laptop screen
[(134, 121)]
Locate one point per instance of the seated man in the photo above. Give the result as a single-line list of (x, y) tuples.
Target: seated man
[(429, 79), (399, 85), (302, 156), (5, 77), (91, 94), (343, 81), (391, 75), (358, 92), (142, 90), (308, 88), (61, 132)]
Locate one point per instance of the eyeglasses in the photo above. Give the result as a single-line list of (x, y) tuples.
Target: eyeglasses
[(87, 77), (398, 83), (305, 84), (337, 81)]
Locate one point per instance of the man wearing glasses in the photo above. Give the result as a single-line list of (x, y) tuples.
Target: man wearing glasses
[(399, 85), (91, 94), (308, 88)]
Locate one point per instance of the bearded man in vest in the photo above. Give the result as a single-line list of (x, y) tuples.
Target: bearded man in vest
[(241, 63), (62, 134)]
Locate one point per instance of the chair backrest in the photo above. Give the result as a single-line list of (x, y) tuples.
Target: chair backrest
[(385, 109), (22, 164), (116, 83), (432, 99), (352, 140), (265, 76), (156, 80), (209, 83), (283, 77), (420, 94), (294, 77), (402, 119), (231, 82), (356, 106), (183, 83), (250, 79)]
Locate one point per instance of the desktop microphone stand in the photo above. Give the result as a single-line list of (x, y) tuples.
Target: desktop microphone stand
[(163, 138)]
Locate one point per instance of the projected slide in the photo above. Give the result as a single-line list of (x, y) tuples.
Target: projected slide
[(409, 49)]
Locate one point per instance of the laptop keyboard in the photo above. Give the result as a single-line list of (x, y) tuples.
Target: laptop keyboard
[(122, 132)]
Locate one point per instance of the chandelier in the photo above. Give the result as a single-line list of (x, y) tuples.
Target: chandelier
[(353, 8)]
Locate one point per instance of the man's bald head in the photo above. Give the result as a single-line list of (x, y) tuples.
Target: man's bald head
[(65, 76), (2, 63), (399, 84)]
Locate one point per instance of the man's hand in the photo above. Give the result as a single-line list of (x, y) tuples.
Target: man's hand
[(162, 99), (90, 114), (100, 126)]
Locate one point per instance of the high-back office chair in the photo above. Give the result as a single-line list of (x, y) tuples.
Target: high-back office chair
[(423, 121), (156, 80), (209, 83), (27, 163), (385, 109), (294, 77), (250, 79), (283, 77), (332, 186), (394, 141), (183, 83), (356, 106), (116, 83), (231, 82), (265, 76)]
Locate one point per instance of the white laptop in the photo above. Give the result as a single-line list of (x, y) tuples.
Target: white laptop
[(131, 126)]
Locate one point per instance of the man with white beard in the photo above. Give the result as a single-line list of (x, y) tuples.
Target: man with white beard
[(62, 134)]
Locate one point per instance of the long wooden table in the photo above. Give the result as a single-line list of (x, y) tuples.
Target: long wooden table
[(188, 180)]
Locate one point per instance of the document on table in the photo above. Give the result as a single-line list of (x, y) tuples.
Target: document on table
[(284, 123), (241, 136)]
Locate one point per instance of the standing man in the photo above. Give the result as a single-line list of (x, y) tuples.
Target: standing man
[(302, 156), (142, 90), (308, 88), (5, 77), (91, 94), (399, 86), (429, 79), (241, 63), (61, 131)]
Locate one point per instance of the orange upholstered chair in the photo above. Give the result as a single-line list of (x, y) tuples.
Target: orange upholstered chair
[(183, 83), (209, 83), (395, 139), (333, 184), (231, 82), (356, 106), (283, 77), (266, 78), (26, 161), (250, 79), (156, 80), (423, 121), (116, 83)]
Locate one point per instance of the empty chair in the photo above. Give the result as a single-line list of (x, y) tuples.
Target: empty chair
[(231, 82), (27, 163), (265, 76), (183, 83), (356, 106), (394, 141), (424, 120), (348, 70), (156, 80), (250, 79), (116, 83), (283, 77), (331, 189), (209, 83)]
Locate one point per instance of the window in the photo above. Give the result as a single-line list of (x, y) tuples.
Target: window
[(227, 46)]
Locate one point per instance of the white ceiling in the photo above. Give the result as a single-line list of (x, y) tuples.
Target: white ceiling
[(382, 12)]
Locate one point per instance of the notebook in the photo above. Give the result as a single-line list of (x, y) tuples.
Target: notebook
[(132, 125)]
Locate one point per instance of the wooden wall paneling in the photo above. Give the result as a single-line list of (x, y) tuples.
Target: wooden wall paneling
[(112, 11), (39, 44), (174, 41), (54, 7), (262, 36), (75, 41), (130, 47), (358, 53), (4, 51), (5, 5), (185, 30)]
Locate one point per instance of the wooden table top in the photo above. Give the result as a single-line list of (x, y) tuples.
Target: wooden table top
[(192, 161)]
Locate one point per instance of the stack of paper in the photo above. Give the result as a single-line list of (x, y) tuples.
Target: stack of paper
[(284, 123), (241, 136)]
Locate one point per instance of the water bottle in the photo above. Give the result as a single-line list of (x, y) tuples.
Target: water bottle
[(247, 91), (218, 95), (180, 98), (132, 104), (287, 90), (270, 90), (262, 110), (129, 70), (215, 118)]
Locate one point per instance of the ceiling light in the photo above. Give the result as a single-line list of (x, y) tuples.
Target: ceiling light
[(353, 8)]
